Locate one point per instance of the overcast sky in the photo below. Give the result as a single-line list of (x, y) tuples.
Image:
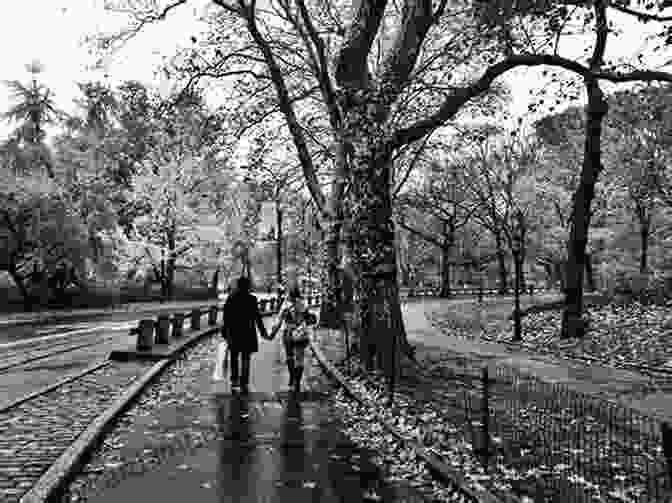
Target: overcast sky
[(51, 31)]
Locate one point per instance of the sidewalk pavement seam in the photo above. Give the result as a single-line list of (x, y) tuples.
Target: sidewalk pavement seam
[(71, 460), (435, 466)]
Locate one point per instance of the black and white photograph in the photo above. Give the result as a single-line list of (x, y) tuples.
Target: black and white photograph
[(334, 251)]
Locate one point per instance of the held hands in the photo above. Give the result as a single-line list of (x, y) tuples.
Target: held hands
[(270, 336)]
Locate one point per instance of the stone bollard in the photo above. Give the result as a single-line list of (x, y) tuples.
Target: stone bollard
[(162, 329), (178, 324), (145, 332), (212, 315), (195, 319)]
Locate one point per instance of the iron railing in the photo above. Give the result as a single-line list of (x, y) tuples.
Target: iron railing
[(566, 445)]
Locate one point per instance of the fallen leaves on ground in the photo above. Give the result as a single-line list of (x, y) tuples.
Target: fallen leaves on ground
[(178, 392), (418, 422), (620, 335)]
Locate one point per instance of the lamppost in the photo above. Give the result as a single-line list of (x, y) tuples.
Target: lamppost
[(241, 251)]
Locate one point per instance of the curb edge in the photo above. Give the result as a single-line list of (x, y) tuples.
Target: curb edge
[(71, 460)]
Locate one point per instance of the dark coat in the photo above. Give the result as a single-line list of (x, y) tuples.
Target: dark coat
[(241, 320)]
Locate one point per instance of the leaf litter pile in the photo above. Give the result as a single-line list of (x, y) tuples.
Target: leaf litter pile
[(528, 459), (620, 335)]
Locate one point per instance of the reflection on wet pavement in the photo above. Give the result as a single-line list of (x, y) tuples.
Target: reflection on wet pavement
[(269, 447)]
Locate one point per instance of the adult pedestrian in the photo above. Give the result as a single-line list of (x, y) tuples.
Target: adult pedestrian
[(293, 320), (241, 321)]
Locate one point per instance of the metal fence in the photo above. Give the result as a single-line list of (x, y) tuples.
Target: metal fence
[(565, 445)]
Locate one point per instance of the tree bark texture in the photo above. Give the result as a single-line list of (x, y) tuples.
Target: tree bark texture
[(278, 243), (369, 205), (170, 266), (331, 293), (590, 274), (573, 324), (446, 254), (332, 301)]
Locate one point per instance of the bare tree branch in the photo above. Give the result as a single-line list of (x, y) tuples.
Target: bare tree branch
[(328, 92), (642, 16), (462, 95)]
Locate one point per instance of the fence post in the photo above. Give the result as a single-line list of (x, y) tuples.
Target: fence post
[(485, 419), (212, 315), (178, 324), (162, 329), (145, 335), (666, 430), (195, 319)]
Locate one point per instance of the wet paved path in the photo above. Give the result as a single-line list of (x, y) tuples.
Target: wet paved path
[(272, 445)]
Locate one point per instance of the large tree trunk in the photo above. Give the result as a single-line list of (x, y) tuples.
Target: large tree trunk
[(404, 273), (214, 290), (445, 272), (446, 257), (521, 271), (560, 269), (590, 275), (330, 317), (501, 263), (278, 243), (170, 272), (372, 241), (573, 324), (331, 293)]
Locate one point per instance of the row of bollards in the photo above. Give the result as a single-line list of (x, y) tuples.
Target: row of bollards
[(159, 331)]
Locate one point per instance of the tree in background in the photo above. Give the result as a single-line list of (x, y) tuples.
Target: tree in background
[(445, 200), (365, 78), (629, 197), (33, 111), (171, 188), (43, 242)]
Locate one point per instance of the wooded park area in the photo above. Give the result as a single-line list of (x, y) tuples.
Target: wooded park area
[(385, 137)]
